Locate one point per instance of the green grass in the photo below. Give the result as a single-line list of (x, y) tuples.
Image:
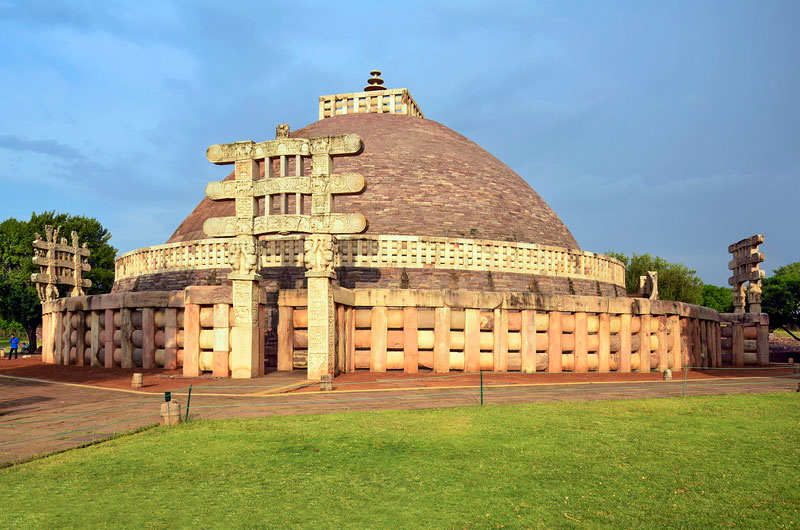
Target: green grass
[(783, 333), (6, 343), (698, 462)]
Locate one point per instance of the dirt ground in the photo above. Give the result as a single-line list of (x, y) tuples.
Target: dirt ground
[(46, 408), (783, 348), (157, 380), (369, 380)]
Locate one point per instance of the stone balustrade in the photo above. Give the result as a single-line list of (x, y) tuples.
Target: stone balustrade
[(389, 101), (385, 252), (191, 255), (124, 330)]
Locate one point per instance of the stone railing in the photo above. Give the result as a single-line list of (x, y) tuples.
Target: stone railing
[(188, 329), (394, 101), (745, 338), (124, 330), (470, 331), (191, 255), (478, 255), (386, 252)]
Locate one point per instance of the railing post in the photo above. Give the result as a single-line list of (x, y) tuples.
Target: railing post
[(481, 388)]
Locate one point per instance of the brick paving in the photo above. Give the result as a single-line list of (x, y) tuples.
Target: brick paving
[(39, 417)]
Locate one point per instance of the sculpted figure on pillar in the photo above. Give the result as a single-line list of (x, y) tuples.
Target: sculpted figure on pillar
[(648, 285), (739, 297), (320, 255), (282, 131), (242, 255)]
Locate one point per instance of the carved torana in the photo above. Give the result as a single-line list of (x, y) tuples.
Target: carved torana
[(59, 264), (320, 255), (745, 269)]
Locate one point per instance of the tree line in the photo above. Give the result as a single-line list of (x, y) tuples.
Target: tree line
[(780, 292)]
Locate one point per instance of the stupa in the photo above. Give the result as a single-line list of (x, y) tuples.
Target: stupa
[(427, 189), (374, 238)]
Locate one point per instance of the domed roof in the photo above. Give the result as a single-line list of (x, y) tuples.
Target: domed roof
[(422, 179)]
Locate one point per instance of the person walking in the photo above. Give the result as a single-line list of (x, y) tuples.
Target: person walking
[(14, 344)]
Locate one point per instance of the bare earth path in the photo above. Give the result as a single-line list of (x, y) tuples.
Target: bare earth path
[(39, 416)]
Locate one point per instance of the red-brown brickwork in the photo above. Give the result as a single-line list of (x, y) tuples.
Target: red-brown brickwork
[(423, 179)]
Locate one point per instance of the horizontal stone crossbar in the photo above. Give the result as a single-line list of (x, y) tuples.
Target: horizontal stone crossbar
[(344, 144), (747, 242), (59, 247), (65, 263), (62, 279), (750, 276), (335, 184), (332, 223), (751, 259)]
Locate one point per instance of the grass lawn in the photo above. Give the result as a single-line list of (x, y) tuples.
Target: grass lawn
[(6, 343), (697, 462), (783, 333)]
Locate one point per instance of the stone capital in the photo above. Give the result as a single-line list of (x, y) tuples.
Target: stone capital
[(320, 255), (247, 276)]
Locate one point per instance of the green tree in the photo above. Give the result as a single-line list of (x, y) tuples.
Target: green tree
[(717, 298), (18, 299), (7, 327), (675, 281), (781, 296)]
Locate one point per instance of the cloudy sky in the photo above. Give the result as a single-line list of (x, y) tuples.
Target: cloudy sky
[(669, 127)]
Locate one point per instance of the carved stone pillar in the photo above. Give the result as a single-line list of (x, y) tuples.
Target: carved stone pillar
[(320, 259), (246, 332), (245, 356), (754, 297)]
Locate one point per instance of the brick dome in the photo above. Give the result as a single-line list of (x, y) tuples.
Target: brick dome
[(423, 179)]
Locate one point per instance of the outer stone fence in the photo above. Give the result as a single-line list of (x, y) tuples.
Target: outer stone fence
[(745, 338), (190, 328), (382, 329), (409, 330)]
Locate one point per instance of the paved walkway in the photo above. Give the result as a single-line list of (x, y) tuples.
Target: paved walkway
[(39, 417)]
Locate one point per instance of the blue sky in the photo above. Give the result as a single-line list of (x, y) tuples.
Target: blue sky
[(668, 127)]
